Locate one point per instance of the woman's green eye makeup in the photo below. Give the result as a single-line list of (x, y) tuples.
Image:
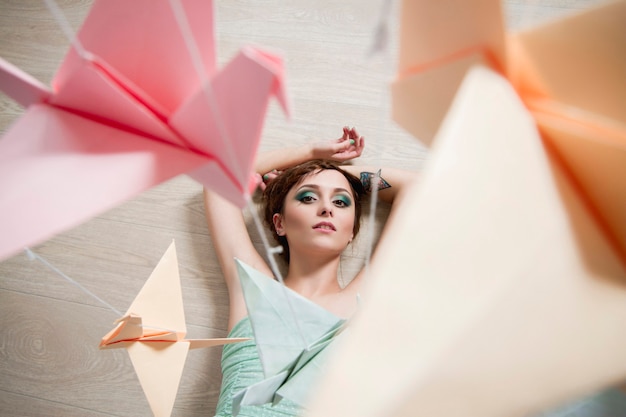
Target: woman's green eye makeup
[(302, 195), (347, 201), (306, 196)]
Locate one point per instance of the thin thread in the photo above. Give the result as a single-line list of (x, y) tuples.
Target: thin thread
[(372, 217), (196, 58), (270, 250), (380, 46), (58, 15), (342, 283), (33, 256)]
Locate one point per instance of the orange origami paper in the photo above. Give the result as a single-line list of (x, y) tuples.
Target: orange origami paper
[(499, 288), (153, 332), (137, 100), (570, 74)]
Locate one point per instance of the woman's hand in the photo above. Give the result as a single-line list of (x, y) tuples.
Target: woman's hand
[(264, 179), (349, 146)]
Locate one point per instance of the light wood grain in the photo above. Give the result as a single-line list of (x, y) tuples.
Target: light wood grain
[(49, 361)]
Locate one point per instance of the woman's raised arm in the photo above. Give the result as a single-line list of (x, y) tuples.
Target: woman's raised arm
[(226, 224), (231, 240), (349, 146)]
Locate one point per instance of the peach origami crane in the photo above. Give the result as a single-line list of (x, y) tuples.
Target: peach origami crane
[(137, 100), (153, 332), (499, 288), (569, 74)]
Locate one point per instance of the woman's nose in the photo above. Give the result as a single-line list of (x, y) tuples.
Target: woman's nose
[(326, 211)]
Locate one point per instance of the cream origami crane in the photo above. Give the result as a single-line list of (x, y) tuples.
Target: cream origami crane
[(153, 332), (500, 287), (137, 100)]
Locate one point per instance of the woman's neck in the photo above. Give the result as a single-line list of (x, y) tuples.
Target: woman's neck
[(313, 276)]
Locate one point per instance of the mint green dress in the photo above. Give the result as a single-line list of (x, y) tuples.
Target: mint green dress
[(241, 367), (271, 374)]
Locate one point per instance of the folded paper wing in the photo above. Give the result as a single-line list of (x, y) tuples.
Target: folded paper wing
[(120, 120), (293, 336), (569, 74), (153, 332), (439, 42), (496, 290), (57, 169)]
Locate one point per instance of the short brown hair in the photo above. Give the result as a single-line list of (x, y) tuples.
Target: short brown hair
[(277, 189)]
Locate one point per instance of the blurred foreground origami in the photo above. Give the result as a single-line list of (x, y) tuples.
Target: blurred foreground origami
[(136, 101), (501, 288)]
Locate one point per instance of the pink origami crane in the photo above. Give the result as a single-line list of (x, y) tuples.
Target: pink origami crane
[(499, 288), (137, 100)]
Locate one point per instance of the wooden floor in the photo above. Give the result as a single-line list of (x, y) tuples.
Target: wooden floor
[(49, 361)]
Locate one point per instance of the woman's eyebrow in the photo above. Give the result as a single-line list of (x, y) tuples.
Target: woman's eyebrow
[(342, 190), (317, 187), (314, 186)]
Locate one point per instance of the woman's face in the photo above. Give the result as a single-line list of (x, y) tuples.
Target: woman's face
[(318, 214)]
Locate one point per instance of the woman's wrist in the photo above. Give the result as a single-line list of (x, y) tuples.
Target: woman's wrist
[(282, 158), (347, 147), (312, 151)]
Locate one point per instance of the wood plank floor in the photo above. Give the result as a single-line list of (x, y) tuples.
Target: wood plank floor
[(49, 361)]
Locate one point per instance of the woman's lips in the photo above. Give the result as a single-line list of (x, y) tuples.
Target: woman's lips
[(325, 226)]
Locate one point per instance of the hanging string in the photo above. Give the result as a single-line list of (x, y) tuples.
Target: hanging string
[(33, 256), (196, 58), (58, 15), (270, 250), (372, 216), (379, 46)]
